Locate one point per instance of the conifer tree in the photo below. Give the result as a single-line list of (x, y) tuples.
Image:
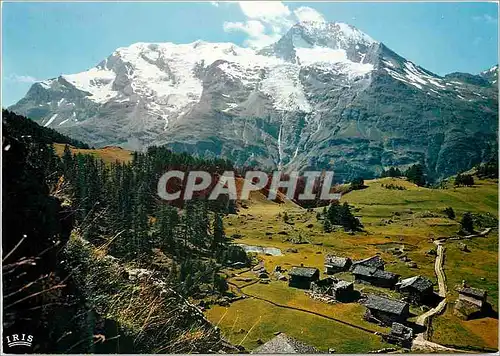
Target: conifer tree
[(218, 235), (467, 223), (327, 225)]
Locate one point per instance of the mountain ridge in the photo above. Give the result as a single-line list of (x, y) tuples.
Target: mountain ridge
[(322, 95)]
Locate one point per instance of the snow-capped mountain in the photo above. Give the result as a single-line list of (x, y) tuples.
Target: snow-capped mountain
[(325, 94), (491, 75)]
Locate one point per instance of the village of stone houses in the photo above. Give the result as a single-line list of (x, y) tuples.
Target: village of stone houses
[(409, 278)]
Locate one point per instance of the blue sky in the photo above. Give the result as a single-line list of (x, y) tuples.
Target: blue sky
[(45, 40)]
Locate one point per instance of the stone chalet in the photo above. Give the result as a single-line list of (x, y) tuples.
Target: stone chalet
[(386, 311), (374, 261), (471, 303), (416, 289), (400, 335), (301, 277), (340, 290), (375, 276), (335, 264), (473, 295), (284, 344)]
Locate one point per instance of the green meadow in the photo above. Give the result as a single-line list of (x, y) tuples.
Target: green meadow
[(409, 219)]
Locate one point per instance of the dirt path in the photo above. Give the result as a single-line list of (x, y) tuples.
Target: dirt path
[(420, 343), (438, 268)]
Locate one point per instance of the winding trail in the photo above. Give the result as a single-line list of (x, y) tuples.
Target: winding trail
[(420, 342), (438, 269)]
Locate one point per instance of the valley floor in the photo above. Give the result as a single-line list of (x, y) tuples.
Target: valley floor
[(411, 218)]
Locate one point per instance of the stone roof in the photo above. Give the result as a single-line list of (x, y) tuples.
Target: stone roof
[(418, 282), (401, 330), (336, 261), (386, 305), (464, 309), (374, 261), (361, 270), (284, 344), (342, 284), (303, 271), (473, 292)]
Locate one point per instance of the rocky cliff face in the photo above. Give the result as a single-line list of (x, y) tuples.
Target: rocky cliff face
[(325, 96)]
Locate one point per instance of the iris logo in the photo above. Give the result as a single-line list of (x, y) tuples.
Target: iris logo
[(19, 340)]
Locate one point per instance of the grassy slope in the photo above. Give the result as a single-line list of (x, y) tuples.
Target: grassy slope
[(109, 154), (263, 319), (414, 227), (411, 217)]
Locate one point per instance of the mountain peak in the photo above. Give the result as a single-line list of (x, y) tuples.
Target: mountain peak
[(341, 32), (335, 36), (491, 75)]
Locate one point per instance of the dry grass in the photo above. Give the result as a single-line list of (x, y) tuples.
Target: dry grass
[(150, 314), (109, 154), (450, 330)]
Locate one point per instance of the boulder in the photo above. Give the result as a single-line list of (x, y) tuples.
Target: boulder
[(258, 267), (396, 251), (223, 302), (411, 264), (432, 252), (239, 264), (463, 247)]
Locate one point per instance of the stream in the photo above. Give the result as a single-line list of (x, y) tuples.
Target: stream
[(261, 250)]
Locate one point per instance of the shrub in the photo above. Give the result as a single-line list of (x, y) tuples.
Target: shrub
[(357, 183), (393, 186), (464, 179), (450, 213)]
